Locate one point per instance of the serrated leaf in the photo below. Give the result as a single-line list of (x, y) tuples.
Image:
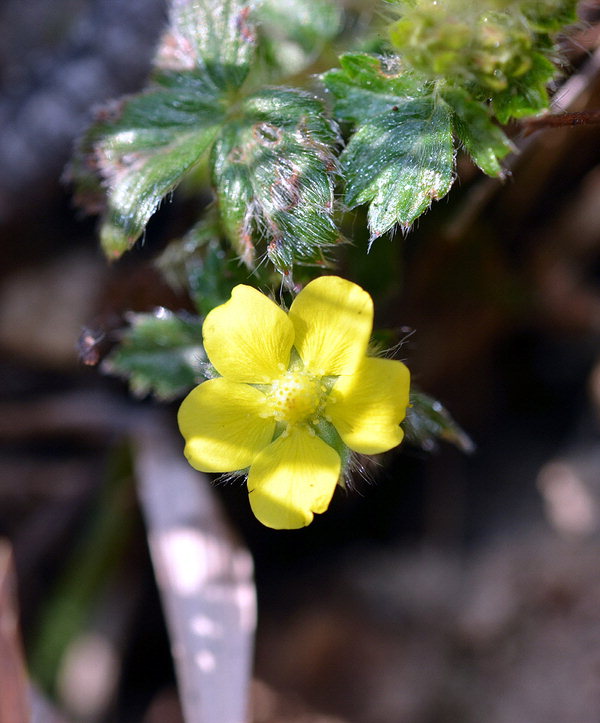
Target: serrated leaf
[(427, 421), (160, 354), (216, 38), (401, 155), (273, 169), (294, 32), (144, 154), (483, 140), (400, 161), (144, 146)]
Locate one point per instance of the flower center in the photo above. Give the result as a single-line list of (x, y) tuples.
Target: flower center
[(295, 397)]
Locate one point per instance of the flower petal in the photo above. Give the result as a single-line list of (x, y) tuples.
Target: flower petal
[(367, 407), (291, 479), (333, 319), (221, 425), (249, 338)]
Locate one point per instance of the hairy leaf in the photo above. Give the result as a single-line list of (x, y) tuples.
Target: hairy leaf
[(368, 85), (483, 140), (273, 169), (401, 155), (160, 353), (427, 421), (143, 155), (215, 38), (142, 147), (400, 161)]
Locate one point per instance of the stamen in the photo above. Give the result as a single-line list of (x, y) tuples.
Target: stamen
[(295, 397)]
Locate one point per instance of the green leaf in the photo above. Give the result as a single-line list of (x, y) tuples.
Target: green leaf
[(294, 32), (501, 51), (483, 140), (143, 146), (273, 169), (216, 38), (427, 421), (144, 154), (368, 85), (197, 263), (401, 155), (160, 353), (400, 161), (526, 95)]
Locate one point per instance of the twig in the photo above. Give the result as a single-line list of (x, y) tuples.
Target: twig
[(558, 120)]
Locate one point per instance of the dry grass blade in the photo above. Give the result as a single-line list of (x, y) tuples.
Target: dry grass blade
[(205, 578)]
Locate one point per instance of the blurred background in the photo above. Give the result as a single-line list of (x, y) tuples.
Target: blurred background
[(447, 587)]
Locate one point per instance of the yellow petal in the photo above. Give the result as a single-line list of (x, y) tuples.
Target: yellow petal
[(249, 338), (291, 479), (367, 407), (332, 318), (221, 425)]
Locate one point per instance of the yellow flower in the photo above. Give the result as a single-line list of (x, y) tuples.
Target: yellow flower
[(297, 391)]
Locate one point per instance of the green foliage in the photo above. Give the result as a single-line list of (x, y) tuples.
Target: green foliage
[(368, 85), (273, 170), (160, 353), (215, 41), (199, 254), (273, 156), (448, 75), (497, 49), (455, 66), (527, 94), (144, 146), (143, 155), (550, 16), (482, 139), (399, 161), (401, 155)]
